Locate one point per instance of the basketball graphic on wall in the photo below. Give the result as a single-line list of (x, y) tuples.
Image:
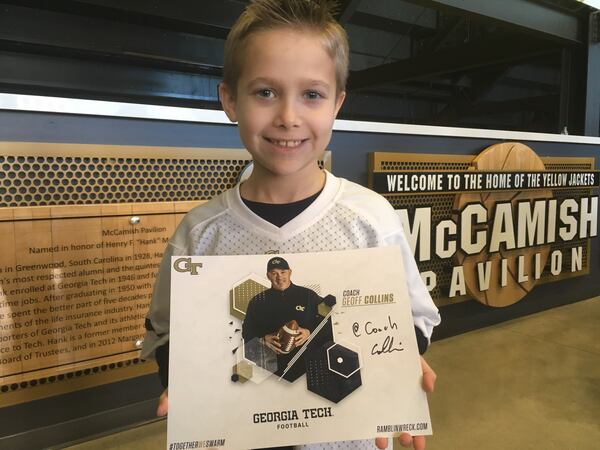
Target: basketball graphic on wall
[(504, 277)]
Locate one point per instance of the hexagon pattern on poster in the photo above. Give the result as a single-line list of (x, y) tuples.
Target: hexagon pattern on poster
[(242, 372), (342, 360), (241, 294), (333, 371), (262, 358), (326, 305)]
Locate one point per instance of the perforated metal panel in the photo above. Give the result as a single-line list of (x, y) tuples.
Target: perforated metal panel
[(422, 165), (68, 376), (49, 180), (69, 174)]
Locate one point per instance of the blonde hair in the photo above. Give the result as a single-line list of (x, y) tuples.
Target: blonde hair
[(306, 15)]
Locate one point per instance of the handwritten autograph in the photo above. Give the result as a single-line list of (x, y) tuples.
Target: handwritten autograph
[(388, 345)]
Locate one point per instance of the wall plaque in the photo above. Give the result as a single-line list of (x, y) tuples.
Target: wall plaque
[(75, 283)]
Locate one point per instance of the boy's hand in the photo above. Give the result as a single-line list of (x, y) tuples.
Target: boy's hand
[(302, 337), (272, 341), (163, 404), (405, 439)]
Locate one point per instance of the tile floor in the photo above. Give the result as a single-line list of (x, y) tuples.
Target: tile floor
[(531, 383)]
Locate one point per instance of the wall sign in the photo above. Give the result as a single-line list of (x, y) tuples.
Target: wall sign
[(493, 226)]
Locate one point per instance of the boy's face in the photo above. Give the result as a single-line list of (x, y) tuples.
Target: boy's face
[(286, 101)]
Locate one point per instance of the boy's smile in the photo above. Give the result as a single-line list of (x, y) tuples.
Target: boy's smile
[(285, 104)]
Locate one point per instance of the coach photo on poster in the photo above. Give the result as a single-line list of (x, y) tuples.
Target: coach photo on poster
[(284, 317)]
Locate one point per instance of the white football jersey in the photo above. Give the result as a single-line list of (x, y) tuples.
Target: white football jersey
[(344, 216)]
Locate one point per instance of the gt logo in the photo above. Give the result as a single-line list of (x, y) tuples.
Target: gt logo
[(186, 265), (300, 308)]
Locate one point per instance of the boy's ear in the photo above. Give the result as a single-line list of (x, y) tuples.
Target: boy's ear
[(339, 101), (227, 101)]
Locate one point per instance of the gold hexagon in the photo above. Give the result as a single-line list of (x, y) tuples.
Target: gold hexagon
[(241, 294), (243, 370)]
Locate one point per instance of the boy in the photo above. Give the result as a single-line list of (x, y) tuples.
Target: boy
[(285, 69)]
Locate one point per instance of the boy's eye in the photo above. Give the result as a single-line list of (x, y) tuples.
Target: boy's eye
[(265, 93), (313, 95)]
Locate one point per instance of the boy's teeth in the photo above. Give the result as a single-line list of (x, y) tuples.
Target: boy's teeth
[(287, 143)]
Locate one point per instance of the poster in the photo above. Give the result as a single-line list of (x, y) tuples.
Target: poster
[(274, 350)]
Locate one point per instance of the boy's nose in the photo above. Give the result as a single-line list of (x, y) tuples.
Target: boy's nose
[(287, 115)]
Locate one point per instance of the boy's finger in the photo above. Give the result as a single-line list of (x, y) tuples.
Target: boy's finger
[(419, 442), (405, 440), (381, 443), (163, 405), (429, 376)]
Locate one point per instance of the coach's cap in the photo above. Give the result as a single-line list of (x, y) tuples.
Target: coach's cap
[(277, 263)]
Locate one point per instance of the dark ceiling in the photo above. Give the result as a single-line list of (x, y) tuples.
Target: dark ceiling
[(504, 64)]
